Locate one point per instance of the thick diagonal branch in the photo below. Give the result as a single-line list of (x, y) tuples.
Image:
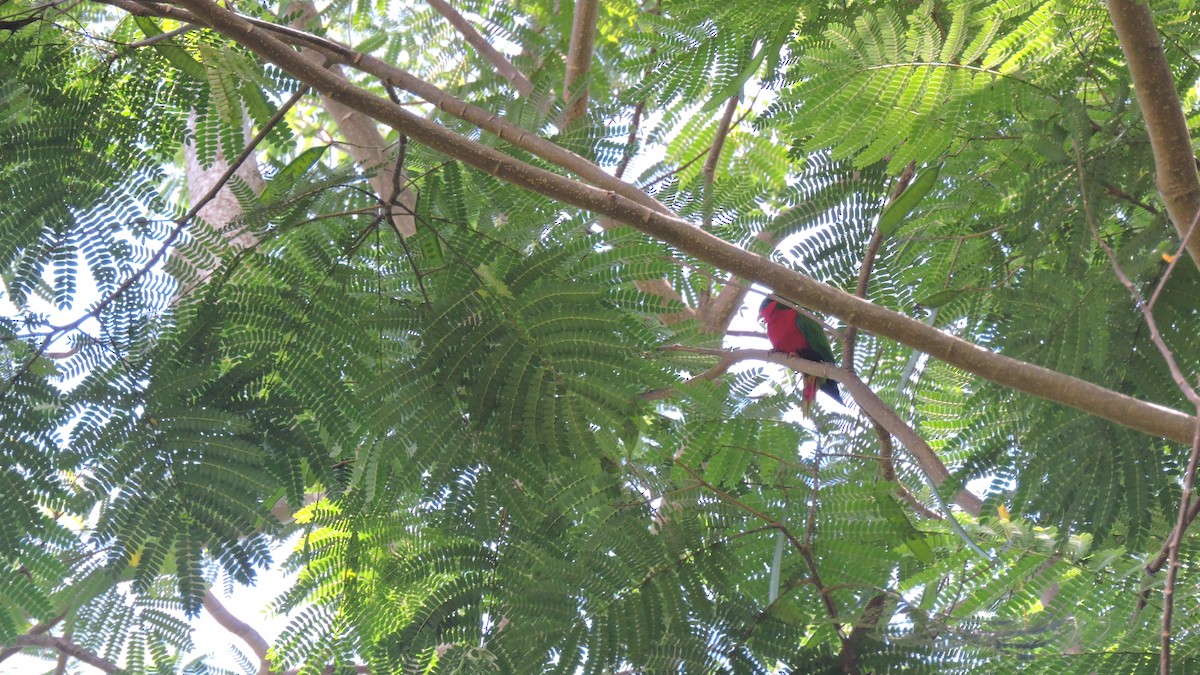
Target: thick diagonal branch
[(398, 77), (1166, 125), (1043, 382)]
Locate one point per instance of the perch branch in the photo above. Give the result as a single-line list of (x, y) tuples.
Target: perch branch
[(870, 403), (1042, 382)]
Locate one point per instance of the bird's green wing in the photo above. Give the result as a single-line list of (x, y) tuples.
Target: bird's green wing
[(815, 335)]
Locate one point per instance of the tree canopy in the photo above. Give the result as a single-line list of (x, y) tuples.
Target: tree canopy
[(448, 308)]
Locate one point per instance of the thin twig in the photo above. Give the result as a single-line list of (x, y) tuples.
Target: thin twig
[(714, 156), (725, 496), (400, 185), (1117, 192), (1155, 336), (1181, 523), (180, 224), (155, 39), (631, 141), (1164, 551), (746, 334), (1162, 281), (677, 170), (868, 263), (887, 469), (801, 548)]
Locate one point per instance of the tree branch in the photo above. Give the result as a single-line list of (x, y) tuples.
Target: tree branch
[(714, 156), (398, 77), (1144, 307), (501, 63), (244, 631), (364, 142), (65, 646), (39, 629), (1166, 125), (1043, 382), (631, 141), (868, 263), (182, 30), (866, 399), (1173, 541), (18, 24), (579, 58)]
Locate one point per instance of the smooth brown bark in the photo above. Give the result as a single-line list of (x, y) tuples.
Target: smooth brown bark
[(579, 58), (1166, 125), (253, 639), (501, 63)]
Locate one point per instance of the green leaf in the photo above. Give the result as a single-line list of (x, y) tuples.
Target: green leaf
[(891, 509), (940, 298), (734, 88), (908, 200), (178, 56), (286, 177), (494, 282)]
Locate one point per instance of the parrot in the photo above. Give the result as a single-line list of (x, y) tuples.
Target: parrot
[(798, 334)]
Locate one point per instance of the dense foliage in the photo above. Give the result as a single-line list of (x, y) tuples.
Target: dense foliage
[(490, 435)]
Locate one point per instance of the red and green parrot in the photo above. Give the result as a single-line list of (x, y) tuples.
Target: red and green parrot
[(798, 334)]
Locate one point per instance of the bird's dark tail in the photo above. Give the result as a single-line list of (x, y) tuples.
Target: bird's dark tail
[(831, 388)]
